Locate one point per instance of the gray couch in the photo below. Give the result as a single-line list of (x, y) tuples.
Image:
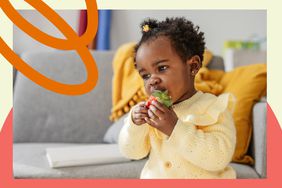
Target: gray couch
[(45, 119)]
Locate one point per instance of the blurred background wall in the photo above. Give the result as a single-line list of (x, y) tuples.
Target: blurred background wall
[(218, 25)]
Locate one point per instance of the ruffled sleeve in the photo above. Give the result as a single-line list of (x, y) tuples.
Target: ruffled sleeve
[(212, 107), (207, 137)]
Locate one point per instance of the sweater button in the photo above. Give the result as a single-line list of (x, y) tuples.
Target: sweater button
[(168, 164)]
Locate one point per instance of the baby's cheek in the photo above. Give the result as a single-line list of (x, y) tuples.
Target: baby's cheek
[(147, 89), (173, 95)]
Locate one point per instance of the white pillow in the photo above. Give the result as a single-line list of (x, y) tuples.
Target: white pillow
[(112, 133)]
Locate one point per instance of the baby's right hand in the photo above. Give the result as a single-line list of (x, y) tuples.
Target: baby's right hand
[(139, 113)]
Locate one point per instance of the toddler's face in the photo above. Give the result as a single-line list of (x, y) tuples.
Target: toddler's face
[(162, 69)]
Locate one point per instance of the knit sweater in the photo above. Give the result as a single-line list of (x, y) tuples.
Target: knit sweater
[(200, 146)]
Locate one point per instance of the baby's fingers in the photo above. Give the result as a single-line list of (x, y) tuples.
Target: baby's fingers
[(139, 121), (160, 106), (151, 122), (143, 104), (140, 109), (156, 111), (140, 116)]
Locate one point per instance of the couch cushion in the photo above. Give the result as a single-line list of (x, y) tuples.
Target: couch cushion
[(41, 115), (244, 171), (30, 162), (216, 63), (259, 137)]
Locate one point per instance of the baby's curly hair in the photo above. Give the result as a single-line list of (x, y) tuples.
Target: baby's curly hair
[(185, 38)]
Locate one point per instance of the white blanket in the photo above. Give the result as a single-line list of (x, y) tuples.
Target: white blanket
[(89, 154)]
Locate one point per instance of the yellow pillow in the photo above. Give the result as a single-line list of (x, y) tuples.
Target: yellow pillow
[(207, 57), (207, 81), (248, 84)]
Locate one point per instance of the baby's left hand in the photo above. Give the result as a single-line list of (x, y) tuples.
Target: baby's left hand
[(161, 117)]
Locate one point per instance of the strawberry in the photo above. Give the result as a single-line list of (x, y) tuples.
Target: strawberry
[(161, 97), (150, 100)]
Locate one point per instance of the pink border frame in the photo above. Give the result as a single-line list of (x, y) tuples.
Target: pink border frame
[(274, 165)]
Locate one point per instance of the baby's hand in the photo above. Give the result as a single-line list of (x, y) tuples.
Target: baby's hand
[(161, 117), (139, 113)]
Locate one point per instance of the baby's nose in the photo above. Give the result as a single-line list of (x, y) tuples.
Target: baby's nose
[(154, 81)]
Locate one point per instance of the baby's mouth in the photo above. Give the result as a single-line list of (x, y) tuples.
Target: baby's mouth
[(158, 89)]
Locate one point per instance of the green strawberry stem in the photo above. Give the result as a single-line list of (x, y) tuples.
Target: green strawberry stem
[(163, 97)]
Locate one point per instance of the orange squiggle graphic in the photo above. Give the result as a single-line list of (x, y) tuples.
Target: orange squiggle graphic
[(72, 42)]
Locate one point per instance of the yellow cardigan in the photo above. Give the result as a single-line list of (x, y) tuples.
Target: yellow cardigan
[(200, 147)]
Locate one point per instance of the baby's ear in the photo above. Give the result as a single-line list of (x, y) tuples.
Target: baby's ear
[(195, 64)]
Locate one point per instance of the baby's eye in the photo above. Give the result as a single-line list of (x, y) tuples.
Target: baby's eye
[(145, 76), (162, 68)]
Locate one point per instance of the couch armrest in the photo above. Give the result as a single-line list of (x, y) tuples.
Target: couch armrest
[(259, 137)]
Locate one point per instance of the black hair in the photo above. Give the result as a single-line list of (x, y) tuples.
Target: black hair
[(185, 38)]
